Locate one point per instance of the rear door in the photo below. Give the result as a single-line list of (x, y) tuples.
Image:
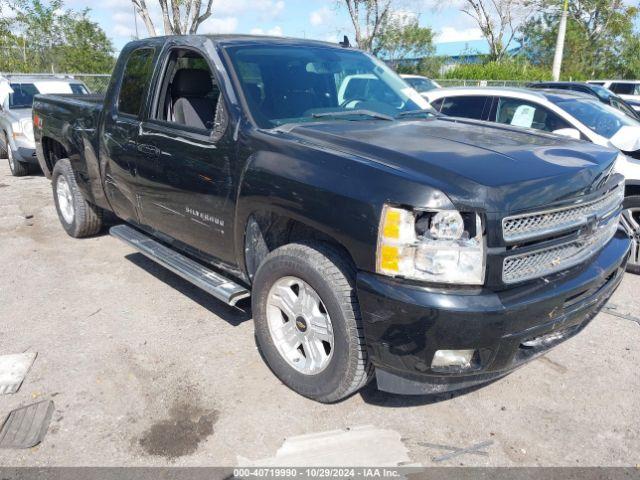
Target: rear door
[(120, 133)]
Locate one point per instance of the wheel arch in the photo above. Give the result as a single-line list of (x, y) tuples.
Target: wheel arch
[(265, 230), (52, 151), (632, 188)]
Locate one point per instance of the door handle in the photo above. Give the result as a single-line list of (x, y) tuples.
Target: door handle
[(150, 150)]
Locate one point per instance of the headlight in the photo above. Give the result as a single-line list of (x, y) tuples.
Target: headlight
[(23, 128), (441, 246), (27, 127)]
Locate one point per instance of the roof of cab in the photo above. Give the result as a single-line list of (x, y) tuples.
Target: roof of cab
[(239, 39)]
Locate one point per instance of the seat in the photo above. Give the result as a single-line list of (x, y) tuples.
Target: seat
[(193, 102)]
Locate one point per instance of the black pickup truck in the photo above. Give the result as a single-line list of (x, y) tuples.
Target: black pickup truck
[(375, 237)]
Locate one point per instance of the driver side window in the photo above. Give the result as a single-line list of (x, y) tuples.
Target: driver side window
[(190, 97)]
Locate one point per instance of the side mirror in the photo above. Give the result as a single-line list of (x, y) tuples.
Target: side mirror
[(569, 132), (627, 139), (221, 121)]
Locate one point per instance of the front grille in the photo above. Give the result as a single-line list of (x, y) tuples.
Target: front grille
[(535, 225), (545, 261)]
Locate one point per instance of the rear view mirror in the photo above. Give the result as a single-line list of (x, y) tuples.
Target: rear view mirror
[(569, 132)]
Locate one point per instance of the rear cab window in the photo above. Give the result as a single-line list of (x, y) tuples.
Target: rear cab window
[(135, 80)]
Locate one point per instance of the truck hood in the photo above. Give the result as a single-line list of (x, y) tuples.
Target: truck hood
[(476, 164)]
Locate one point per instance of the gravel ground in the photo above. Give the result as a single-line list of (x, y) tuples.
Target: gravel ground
[(145, 369)]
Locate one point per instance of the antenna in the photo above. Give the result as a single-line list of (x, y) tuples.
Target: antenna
[(345, 42)]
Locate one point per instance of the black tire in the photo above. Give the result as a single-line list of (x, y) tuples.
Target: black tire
[(633, 202), (18, 168), (327, 271), (87, 218), (3, 147)]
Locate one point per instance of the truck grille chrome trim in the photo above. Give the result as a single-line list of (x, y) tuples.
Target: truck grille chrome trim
[(545, 261), (539, 224)]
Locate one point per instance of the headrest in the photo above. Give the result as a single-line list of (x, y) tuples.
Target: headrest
[(191, 82)]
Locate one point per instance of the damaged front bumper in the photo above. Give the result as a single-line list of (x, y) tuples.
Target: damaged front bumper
[(405, 325)]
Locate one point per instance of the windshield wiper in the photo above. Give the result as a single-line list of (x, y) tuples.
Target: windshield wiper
[(350, 113), (424, 111)]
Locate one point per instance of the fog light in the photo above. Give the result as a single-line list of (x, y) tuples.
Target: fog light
[(452, 359)]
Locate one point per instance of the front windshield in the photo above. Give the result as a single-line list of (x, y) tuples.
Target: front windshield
[(601, 118), (421, 84), (291, 84), (22, 96)]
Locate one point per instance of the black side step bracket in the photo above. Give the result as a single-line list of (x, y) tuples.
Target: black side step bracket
[(211, 282)]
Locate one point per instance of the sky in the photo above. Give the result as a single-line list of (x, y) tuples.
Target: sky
[(318, 19)]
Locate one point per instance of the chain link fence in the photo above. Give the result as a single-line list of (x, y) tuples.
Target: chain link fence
[(96, 82), (448, 82)]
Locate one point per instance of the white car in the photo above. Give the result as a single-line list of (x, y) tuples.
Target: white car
[(572, 114), (16, 125), (421, 84), (626, 89)]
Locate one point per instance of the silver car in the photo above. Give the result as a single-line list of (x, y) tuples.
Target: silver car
[(16, 125)]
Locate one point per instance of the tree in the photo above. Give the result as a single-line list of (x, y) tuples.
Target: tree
[(368, 18), (601, 39), (402, 38), (40, 29), (179, 17), (43, 37), (85, 48), (499, 21)]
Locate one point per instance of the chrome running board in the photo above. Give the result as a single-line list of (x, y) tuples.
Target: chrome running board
[(211, 282)]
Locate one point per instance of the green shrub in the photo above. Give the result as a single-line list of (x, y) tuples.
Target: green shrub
[(510, 69)]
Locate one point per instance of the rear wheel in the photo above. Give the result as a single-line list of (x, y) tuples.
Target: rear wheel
[(307, 321), (631, 222), (78, 217)]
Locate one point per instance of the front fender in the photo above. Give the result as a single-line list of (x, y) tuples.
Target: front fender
[(335, 193)]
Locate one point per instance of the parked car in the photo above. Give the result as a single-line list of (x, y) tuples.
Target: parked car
[(16, 126), (420, 84), (605, 95), (627, 89), (373, 237), (562, 112)]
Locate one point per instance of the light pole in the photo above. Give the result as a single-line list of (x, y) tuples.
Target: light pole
[(562, 32)]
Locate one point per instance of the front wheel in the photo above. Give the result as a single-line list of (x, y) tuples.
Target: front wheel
[(307, 321), (18, 168), (631, 223), (78, 217)]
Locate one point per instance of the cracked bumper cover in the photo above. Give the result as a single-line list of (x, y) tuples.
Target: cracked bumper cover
[(406, 324)]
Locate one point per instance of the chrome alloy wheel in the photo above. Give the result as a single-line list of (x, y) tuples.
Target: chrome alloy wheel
[(299, 325), (65, 199), (631, 222)]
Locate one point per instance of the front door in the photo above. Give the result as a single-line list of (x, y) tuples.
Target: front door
[(188, 163), (190, 199)]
